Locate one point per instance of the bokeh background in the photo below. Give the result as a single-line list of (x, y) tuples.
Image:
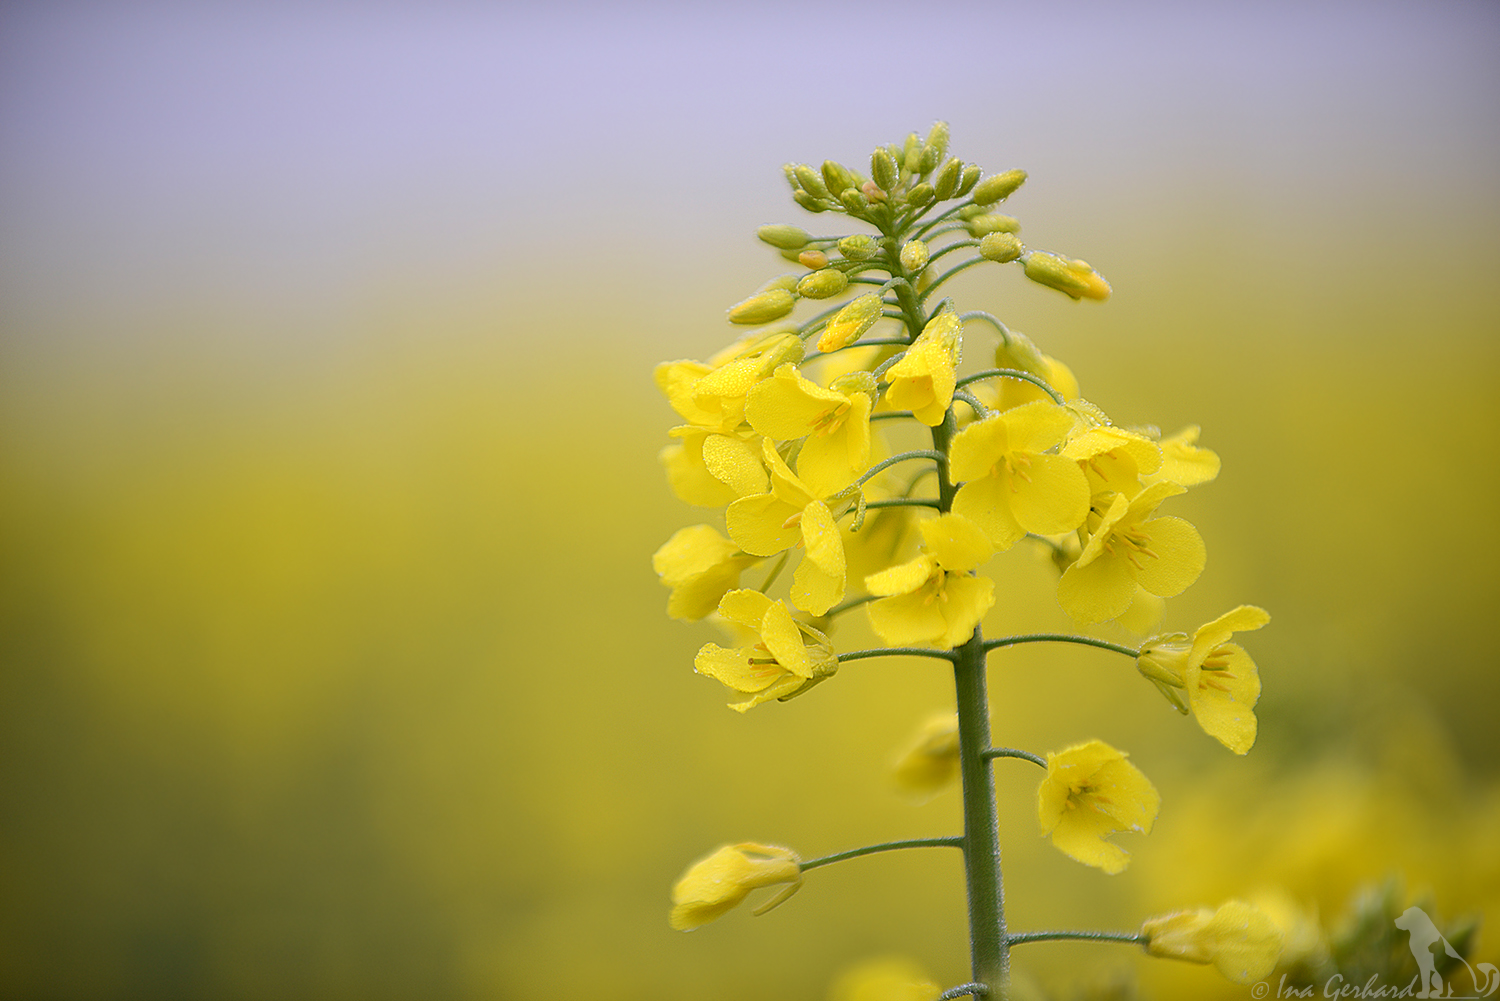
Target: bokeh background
[(333, 665)]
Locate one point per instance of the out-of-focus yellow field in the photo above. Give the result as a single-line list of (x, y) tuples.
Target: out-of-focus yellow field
[(337, 668)]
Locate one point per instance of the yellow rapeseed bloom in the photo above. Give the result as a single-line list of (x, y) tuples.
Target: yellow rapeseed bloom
[(1013, 485), (789, 658), (1240, 940), (1129, 547), (929, 763), (719, 883), (1214, 678), (934, 598), (923, 380), (836, 427), (699, 565), (710, 468), (788, 514), (1089, 793), (1183, 462)]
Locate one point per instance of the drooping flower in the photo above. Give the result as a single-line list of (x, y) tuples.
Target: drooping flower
[(717, 884), (928, 764), (789, 657), (709, 468), (1210, 676), (1129, 547), (1240, 940), (1090, 792), (923, 380), (699, 565), (834, 424), (934, 598), (1012, 484), (789, 513)]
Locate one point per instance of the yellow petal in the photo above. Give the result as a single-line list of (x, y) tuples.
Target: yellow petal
[(1052, 498), (1098, 591), (986, 502), (818, 584), (1179, 559), (956, 542)]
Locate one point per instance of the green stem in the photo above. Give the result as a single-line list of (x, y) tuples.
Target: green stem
[(989, 951), (904, 502), (937, 282), (852, 603), (962, 990), (1011, 752), (940, 458), (775, 572), (1012, 373), (980, 410), (896, 651), (889, 846), (995, 644), (1133, 938)]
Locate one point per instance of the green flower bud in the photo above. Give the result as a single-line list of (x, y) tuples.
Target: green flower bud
[(823, 284), (983, 225), (809, 202), (914, 256), (858, 381), (854, 200), (993, 189), (813, 259), (859, 247), (838, 177), (911, 153), (850, 323), (1074, 278), (784, 237), (968, 180), (811, 180), (929, 160), (937, 138), (787, 283), (883, 168), (967, 212), (763, 307), (790, 171), (920, 195), (1002, 248), (1017, 350), (946, 182)]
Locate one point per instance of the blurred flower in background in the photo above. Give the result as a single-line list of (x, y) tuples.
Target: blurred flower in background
[(333, 661)]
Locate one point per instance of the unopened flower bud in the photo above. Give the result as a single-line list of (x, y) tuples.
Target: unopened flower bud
[(911, 153), (823, 284), (998, 186), (763, 307), (810, 180), (914, 256), (946, 182), (809, 202), (858, 381), (786, 282), (789, 171), (982, 225), (873, 192), (883, 168), (854, 200), (920, 195), (929, 160), (937, 138), (850, 323), (860, 246), (1002, 248), (838, 177), (1074, 278), (813, 259), (967, 181), (784, 237)]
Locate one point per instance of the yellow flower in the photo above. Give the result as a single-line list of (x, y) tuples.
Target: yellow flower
[(699, 565), (1129, 547), (929, 763), (836, 427), (1115, 459), (1218, 678), (788, 514), (713, 395), (1240, 940), (933, 598), (719, 883), (710, 468), (789, 658), (1012, 486), (1089, 793), (890, 979), (923, 380), (1183, 462)]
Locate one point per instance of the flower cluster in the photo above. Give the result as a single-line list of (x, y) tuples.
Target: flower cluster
[(855, 447)]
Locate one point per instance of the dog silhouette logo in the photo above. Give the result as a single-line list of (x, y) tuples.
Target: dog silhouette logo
[(1424, 935)]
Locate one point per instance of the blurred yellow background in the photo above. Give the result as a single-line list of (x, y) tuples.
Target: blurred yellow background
[(334, 665)]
